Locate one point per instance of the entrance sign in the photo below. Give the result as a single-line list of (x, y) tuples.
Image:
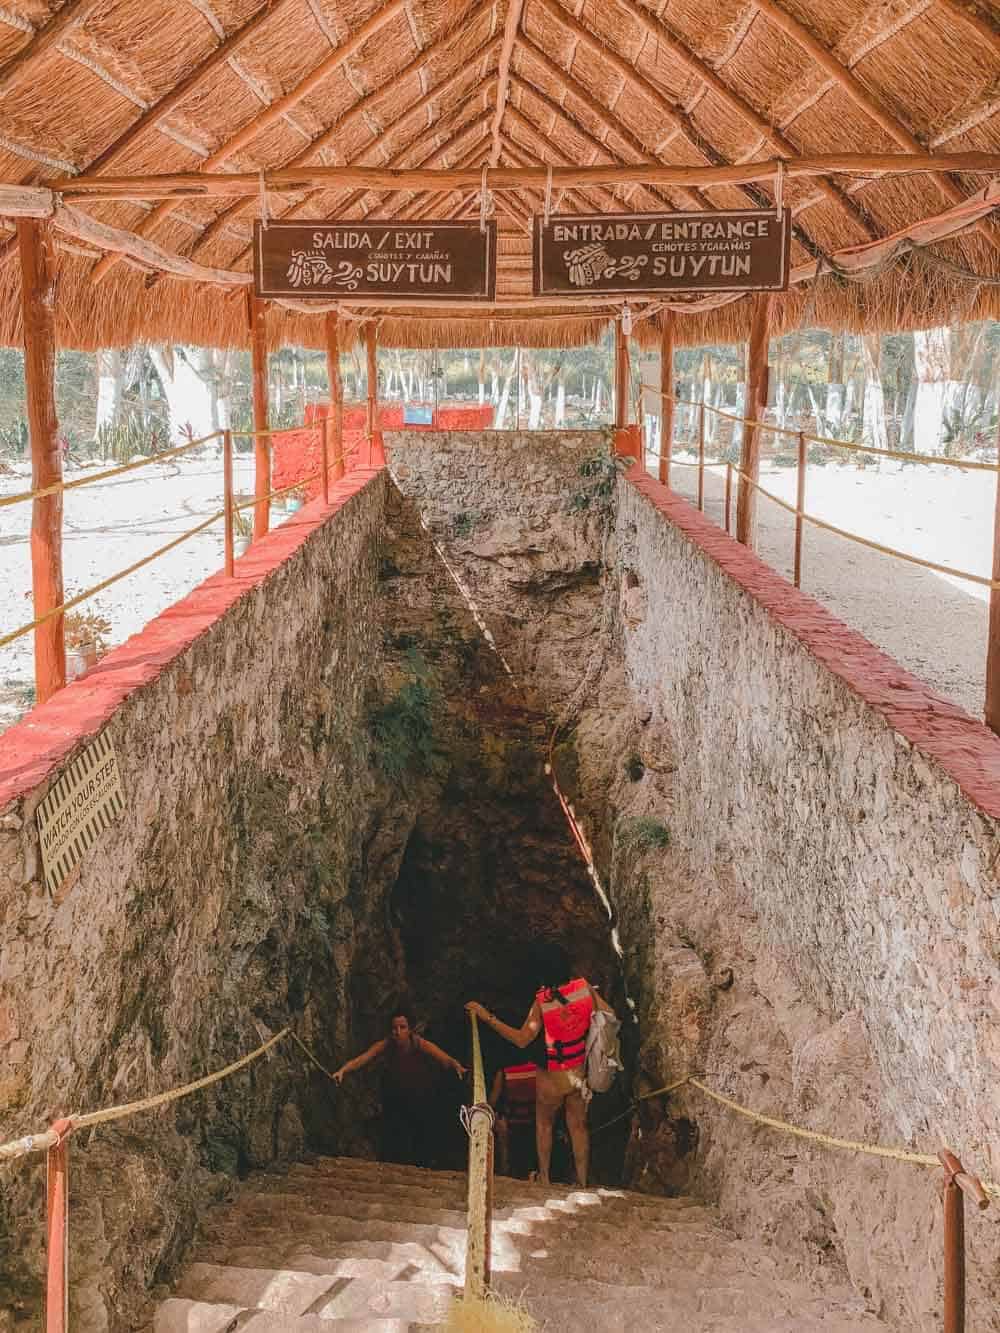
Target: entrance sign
[(629, 253), (85, 801), (426, 261)]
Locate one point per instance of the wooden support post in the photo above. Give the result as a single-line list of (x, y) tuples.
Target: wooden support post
[(37, 252), (800, 505), (757, 376), (621, 376), (57, 1232), (992, 710), (336, 386), (227, 497), (371, 347), (667, 334), (257, 316)]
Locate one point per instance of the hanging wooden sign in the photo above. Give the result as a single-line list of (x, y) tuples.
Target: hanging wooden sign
[(423, 261), (631, 253)]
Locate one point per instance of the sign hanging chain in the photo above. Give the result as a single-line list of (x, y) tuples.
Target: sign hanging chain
[(486, 205), (779, 188), (264, 219), (548, 194)]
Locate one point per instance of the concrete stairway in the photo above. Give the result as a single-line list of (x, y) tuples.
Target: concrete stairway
[(349, 1246)]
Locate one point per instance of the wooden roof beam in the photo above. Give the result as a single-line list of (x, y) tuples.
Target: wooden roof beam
[(511, 26), (191, 185), (275, 111), (860, 96), (71, 15), (523, 156), (601, 199), (666, 38)]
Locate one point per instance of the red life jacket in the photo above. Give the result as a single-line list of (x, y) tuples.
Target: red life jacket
[(519, 1094), (566, 1024)]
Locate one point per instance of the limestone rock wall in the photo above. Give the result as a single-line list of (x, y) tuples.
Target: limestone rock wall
[(231, 894)]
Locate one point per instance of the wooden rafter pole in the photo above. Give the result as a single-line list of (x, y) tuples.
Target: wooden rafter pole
[(171, 100), (860, 96), (70, 15), (757, 387), (337, 130), (668, 330), (568, 81), (511, 26), (272, 113), (336, 420), (257, 318), (600, 200), (187, 185), (666, 38), (38, 289)]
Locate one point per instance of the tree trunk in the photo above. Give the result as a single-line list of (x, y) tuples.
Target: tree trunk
[(188, 395), (109, 387), (873, 428), (931, 355)]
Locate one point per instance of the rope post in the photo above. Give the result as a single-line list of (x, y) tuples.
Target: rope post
[(257, 319), (729, 495), (227, 497), (957, 1183), (666, 395), (478, 1120), (701, 457), (800, 505), (992, 709), (57, 1230)]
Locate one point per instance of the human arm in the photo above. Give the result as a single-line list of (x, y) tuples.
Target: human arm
[(522, 1036), (359, 1061), (442, 1057)]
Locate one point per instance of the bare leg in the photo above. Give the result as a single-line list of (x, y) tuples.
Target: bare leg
[(545, 1114), (579, 1135)]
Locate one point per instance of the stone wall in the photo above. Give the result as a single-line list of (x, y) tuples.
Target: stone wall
[(522, 513), (227, 901), (827, 942)]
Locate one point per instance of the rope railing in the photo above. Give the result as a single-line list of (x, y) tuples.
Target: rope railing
[(228, 512), (798, 510)]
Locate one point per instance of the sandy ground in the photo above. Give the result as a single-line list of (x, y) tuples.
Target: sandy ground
[(106, 528), (933, 625)]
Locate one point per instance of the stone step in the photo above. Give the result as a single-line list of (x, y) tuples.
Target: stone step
[(566, 1213), (184, 1316), (292, 1291)]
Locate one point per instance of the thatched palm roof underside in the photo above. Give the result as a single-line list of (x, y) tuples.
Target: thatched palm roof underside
[(129, 87)]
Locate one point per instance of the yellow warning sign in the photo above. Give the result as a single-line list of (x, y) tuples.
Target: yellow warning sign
[(85, 801)]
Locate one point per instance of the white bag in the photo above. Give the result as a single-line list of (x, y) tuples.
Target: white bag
[(603, 1050)]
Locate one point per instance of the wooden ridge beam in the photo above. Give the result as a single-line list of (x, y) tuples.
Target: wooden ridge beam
[(45, 40), (275, 111), (510, 31), (859, 95), (670, 41), (301, 159), (187, 185)]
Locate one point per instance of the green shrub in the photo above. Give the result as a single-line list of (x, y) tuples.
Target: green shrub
[(599, 473), (643, 833)]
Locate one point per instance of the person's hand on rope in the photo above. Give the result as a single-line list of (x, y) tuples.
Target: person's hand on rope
[(338, 1075), (459, 1069), (478, 1011)]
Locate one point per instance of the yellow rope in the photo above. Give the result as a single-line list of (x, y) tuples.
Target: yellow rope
[(99, 587), (39, 1142), (308, 1053), (852, 445), (864, 541), (96, 477)]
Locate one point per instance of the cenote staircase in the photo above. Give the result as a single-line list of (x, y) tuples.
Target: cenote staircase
[(359, 1247)]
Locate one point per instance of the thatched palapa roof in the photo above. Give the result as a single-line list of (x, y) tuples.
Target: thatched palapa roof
[(134, 87)]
